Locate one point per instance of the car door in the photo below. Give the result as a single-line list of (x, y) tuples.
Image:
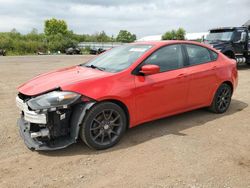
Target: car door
[(202, 73), (239, 46), (162, 93)]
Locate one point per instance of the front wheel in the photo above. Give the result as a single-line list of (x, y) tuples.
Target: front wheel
[(222, 99), (103, 126)]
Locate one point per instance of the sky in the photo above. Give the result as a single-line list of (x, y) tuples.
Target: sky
[(142, 17)]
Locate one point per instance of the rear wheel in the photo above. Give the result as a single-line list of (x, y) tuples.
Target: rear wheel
[(103, 125), (222, 99)]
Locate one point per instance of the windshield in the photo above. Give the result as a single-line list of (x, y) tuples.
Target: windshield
[(222, 36), (119, 58)]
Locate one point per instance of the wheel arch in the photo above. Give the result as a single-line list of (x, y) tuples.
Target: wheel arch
[(218, 86), (228, 83), (123, 106)]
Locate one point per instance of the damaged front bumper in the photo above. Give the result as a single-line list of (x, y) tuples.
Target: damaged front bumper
[(36, 144), (46, 130), (30, 116)]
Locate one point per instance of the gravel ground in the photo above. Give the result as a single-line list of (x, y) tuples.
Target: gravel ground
[(194, 149)]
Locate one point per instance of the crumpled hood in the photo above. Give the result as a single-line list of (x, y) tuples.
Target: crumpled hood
[(59, 79)]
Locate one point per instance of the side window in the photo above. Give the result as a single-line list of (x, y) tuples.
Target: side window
[(167, 58), (214, 55), (237, 36), (197, 54)]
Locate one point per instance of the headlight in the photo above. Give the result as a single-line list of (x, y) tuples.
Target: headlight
[(53, 99)]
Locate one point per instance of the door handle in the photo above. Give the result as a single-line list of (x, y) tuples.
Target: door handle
[(182, 75), (214, 67)]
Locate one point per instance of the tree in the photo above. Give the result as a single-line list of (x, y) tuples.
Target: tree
[(58, 37), (34, 31), (54, 26), (102, 37), (169, 35), (180, 34), (14, 31), (174, 35), (125, 36)]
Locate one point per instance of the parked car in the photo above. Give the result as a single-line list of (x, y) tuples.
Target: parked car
[(234, 42), (72, 51), (95, 51), (41, 53), (120, 89), (2, 52)]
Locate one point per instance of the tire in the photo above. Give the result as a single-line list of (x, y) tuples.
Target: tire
[(222, 99), (248, 61), (103, 126)]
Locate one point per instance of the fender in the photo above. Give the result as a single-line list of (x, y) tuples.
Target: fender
[(79, 112)]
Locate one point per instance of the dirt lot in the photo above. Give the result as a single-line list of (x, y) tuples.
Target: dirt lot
[(194, 149)]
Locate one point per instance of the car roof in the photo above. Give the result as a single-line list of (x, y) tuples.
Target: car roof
[(167, 42)]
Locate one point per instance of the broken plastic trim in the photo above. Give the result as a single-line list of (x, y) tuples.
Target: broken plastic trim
[(79, 111)]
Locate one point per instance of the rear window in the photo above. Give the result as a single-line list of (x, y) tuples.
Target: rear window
[(197, 54), (214, 55)]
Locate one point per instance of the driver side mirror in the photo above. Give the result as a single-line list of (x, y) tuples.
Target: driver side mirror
[(150, 69), (243, 37)]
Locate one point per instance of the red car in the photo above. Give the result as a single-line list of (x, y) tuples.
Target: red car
[(122, 88)]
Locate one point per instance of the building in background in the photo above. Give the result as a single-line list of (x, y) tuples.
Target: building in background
[(103, 46), (99, 45), (189, 36)]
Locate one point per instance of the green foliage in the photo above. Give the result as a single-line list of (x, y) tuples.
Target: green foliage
[(102, 37), (169, 35), (85, 50), (16, 44), (174, 35), (59, 42), (199, 40), (54, 27), (56, 37), (125, 36), (180, 34)]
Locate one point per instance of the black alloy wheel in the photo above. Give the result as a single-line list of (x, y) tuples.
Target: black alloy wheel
[(103, 125), (222, 99)]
